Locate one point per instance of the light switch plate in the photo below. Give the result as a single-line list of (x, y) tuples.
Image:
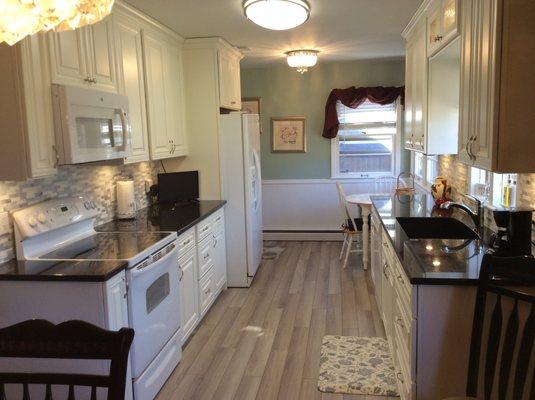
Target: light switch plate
[(4, 222)]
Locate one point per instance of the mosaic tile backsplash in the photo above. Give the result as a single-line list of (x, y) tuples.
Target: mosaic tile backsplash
[(91, 181)]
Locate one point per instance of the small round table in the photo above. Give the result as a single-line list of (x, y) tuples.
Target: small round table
[(365, 203)]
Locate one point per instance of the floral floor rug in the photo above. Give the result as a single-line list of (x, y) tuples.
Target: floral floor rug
[(357, 365)]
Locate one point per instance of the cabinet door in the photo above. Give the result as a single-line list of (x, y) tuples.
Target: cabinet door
[(387, 295), (101, 55), (220, 259), (155, 73), (131, 82), (189, 293), (434, 28), (174, 100), (450, 19), (419, 94), (42, 155), (68, 57), (409, 84), (229, 85)]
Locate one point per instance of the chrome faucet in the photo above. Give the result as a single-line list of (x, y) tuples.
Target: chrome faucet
[(476, 216)]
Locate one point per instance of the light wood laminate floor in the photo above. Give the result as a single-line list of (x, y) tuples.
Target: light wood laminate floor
[(264, 342)]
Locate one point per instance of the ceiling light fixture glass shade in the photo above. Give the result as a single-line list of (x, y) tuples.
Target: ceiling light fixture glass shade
[(20, 18), (302, 60), (277, 15)]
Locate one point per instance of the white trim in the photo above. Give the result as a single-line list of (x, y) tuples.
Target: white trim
[(328, 181), (420, 12), (304, 236)]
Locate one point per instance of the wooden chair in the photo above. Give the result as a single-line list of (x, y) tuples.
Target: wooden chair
[(501, 358), (351, 228), (68, 340)]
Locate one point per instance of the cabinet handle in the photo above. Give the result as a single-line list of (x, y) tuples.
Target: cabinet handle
[(399, 375), (206, 256), (385, 267), (56, 156), (215, 243), (399, 321), (438, 38), (205, 228), (471, 142), (400, 279), (181, 274), (93, 80), (88, 80), (186, 242), (232, 102)]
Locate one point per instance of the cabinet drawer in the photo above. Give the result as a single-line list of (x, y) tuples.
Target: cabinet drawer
[(403, 325), (206, 290), (204, 229), (218, 222), (206, 258), (186, 242), (402, 284)]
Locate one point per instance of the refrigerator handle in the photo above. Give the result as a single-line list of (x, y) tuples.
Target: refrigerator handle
[(258, 179)]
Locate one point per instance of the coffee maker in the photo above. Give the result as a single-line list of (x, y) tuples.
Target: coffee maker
[(513, 237)]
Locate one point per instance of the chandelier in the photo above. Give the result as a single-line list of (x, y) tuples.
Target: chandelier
[(20, 18), (277, 15), (302, 60)]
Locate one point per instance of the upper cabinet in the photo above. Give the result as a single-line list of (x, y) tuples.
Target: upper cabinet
[(84, 57), (229, 79), (442, 24), (432, 88), (131, 79), (497, 81), (165, 95), (28, 144)]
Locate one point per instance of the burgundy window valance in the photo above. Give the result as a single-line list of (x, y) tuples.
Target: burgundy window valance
[(353, 97)]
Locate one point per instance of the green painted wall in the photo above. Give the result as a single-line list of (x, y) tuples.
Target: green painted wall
[(285, 92)]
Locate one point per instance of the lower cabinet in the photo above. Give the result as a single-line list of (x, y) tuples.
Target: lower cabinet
[(203, 262), (188, 293), (428, 328)]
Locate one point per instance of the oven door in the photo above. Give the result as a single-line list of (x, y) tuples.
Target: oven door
[(153, 305)]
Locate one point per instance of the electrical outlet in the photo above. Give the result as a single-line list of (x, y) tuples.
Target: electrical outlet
[(4, 222), (148, 184)]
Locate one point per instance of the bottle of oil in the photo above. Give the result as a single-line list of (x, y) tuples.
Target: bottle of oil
[(507, 192)]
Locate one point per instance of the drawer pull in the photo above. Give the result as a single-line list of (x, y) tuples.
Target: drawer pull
[(208, 291), (186, 242), (399, 375), (205, 228), (385, 267), (218, 219), (181, 274), (399, 321), (206, 256), (401, 280)]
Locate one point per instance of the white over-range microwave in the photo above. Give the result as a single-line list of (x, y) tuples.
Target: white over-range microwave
[(90, 125)]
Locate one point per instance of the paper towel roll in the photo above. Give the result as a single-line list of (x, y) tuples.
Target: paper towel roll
[(126, 200)]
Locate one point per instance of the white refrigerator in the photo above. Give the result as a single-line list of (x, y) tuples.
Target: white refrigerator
[(241, 183)]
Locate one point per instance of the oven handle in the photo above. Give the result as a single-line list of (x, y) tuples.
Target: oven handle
[(156, 259), (126, 131)]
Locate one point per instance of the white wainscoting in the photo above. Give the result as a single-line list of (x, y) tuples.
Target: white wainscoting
[(293, 209)]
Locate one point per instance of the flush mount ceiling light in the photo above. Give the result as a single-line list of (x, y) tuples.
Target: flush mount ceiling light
[(302, 60), (278, 15), (20, 18)]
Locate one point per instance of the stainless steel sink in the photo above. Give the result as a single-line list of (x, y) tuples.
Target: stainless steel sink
[(435, 228)]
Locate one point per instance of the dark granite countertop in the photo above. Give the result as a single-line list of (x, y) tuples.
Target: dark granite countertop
[(165, 217), (65, 271), (155, 218), (431, 261)]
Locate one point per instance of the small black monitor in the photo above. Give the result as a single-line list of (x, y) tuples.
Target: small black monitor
[(178, 187)]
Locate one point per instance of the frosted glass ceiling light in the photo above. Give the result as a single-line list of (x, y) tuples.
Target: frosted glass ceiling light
[(302, 60), (277, 15), (20, 18)]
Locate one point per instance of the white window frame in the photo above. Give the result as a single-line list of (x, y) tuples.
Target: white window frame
[(425, 181), (494, 195), (335, 155)]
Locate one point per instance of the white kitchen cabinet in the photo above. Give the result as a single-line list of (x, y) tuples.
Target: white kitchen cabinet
[(165, 95), (188, 293), (229, 79), (131, 79), (442, 24), (84, 57), (28, 143), (431, 117), (496, 77), (219, 251), (416, 90)]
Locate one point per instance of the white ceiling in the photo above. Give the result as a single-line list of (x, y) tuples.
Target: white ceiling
[(340, 29)]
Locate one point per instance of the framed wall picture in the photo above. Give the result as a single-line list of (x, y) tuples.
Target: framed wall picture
[(288, 135), (253, 105)]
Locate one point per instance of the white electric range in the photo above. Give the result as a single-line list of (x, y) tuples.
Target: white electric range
[(63, 230)]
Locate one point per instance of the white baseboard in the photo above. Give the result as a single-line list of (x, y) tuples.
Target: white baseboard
[(304, 236)]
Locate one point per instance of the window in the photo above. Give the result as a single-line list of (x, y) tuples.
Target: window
[(489, 186), (479, 183), (366, 142), (424, 168)]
